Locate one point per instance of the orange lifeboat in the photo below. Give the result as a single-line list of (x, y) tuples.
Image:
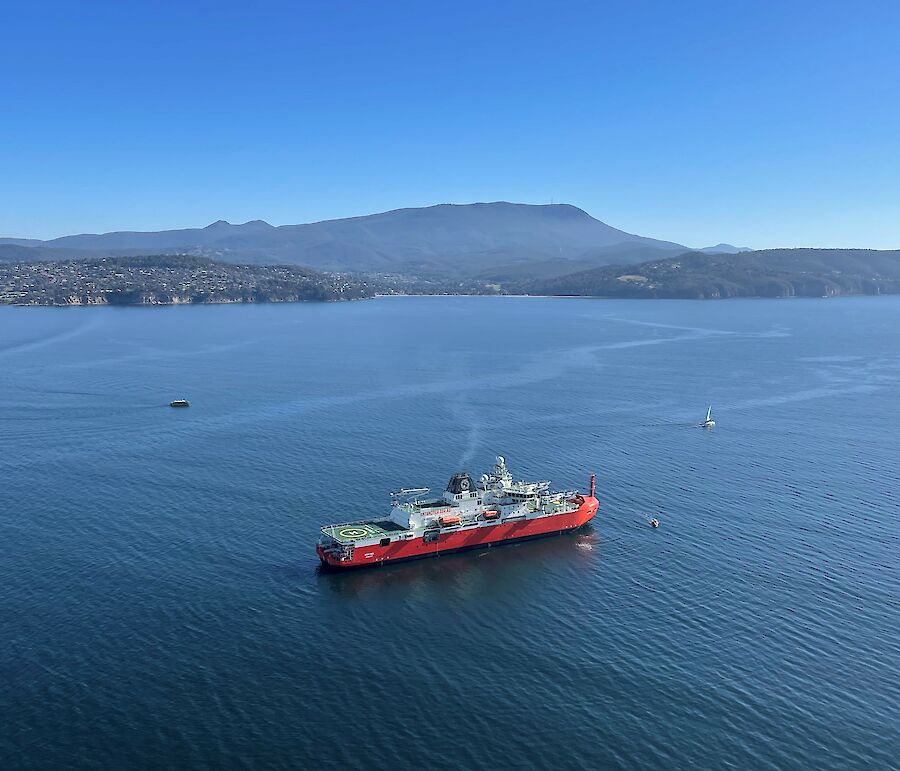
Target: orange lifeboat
[(491, 514), (451, 520)]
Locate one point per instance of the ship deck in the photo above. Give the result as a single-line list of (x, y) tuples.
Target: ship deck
[(353, 531)]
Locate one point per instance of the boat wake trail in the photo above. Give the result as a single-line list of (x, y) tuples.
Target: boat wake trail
[(42, 342)]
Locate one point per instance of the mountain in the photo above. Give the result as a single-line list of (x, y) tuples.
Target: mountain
[(10, 252), (724, 249), (448, 239), (765, 273)]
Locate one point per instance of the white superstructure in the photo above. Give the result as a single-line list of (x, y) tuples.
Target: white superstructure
[(496, 492)]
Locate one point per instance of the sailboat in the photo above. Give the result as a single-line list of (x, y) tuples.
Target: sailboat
[(709, 422)]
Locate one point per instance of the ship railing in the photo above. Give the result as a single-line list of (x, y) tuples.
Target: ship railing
[(326, 528)]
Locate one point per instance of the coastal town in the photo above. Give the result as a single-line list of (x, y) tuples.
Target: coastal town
[(184, 279), (168, 280)]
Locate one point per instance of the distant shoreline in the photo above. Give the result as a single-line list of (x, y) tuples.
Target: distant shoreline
[(392, 296), (191, 280)]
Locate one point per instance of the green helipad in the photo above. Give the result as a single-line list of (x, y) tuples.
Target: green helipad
[(355, 531)]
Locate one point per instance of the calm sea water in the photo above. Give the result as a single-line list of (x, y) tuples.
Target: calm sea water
[(160, 603)]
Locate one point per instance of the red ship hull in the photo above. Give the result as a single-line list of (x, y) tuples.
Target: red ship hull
[(457, 540)]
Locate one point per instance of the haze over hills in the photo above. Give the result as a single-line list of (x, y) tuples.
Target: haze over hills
[(724, 249), (764, 273), (479, 239)]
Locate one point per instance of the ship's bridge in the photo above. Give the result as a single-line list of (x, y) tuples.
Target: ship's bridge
[(460, 490)]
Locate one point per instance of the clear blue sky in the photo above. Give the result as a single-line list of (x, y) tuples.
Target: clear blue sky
[(757, 123)]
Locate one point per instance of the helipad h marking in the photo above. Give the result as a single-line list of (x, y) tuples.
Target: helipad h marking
[(352, 532)]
